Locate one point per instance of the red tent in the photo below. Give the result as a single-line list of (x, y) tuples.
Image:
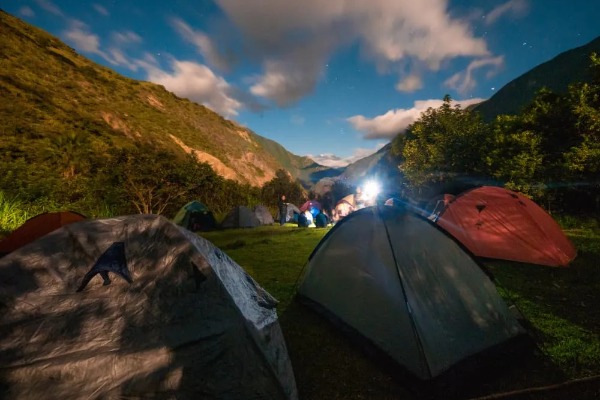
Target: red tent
[(494, 222), (310, 205), (37, 227)]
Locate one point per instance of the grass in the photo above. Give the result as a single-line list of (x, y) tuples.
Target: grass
[(561, 306), (12, 214)]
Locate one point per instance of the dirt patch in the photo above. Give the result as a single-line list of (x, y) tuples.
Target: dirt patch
[(118, 124), (217, 165), (154, 102)]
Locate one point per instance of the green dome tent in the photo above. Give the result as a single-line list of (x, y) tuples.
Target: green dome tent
[(195, 216), (408, 288)]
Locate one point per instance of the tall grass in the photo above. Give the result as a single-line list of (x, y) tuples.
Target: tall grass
[(12, 213)]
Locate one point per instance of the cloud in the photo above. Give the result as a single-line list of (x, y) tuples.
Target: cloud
[(198, 83), (300, 37), (297, 120), (125, 38), (203, 44), (464, 81), (333, 161), (410, 84), (101, 9), (50, 7), (26, 11), (393, 122), (79, 36), (515, 8)]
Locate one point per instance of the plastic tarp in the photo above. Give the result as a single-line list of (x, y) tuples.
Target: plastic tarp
[(37, 227), (408, 288), (191, 324), (494, 222)]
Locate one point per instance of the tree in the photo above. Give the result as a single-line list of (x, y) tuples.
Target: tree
[(443, 147), (282, 184)]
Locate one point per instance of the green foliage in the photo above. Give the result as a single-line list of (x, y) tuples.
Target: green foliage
[(551, 151), (443, 145), (12, 213)]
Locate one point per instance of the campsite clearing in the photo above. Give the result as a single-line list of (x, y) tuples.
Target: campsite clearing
[(562, 306)]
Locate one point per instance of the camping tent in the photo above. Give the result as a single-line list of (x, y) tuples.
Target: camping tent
[(179, 319), (399, 281), (494, 222), (195, 216), (292, 212), (240, 217), (312, 206), (263, 214), (436, 204), (37, 227)]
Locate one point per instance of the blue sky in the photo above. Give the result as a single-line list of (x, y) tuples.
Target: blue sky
[(333, 79)]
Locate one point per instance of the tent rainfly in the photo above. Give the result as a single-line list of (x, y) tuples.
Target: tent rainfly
[(408, 288), (494, 222), (37, 227), (195, 216), (172, 316)]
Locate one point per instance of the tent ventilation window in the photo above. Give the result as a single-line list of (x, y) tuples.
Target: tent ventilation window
[(112, 260)]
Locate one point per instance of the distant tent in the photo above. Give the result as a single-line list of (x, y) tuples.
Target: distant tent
[(494, 222), (188, 323), (240, 217), (195, 216), (37, 227), (312, 206), (291, 214), (396, 279), (264, 215)]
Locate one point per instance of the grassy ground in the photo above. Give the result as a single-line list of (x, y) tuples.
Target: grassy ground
[(561, 306)]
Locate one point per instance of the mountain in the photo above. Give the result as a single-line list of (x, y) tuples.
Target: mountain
[(49, 91), (556, 74)]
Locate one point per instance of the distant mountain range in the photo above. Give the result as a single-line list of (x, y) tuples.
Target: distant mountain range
[(556, 75), (48, 90)]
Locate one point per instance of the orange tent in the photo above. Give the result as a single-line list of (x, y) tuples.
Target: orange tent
[(494, 222), (37, 227)]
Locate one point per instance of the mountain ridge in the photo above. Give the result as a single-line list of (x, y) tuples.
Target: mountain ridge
[(49, 89)]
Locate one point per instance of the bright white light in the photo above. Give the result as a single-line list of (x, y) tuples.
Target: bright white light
[(372, 189)]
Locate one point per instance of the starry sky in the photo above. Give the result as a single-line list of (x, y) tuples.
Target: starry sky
[(332, 79)]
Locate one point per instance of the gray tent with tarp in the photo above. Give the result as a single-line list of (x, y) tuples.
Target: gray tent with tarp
[(172, 317), (408, 288), (240, 217), (195, 216), (291, 213), (263, 214)]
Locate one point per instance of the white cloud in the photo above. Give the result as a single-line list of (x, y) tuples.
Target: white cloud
[(393, 122), (297, 120), (203, 44), (101, 9), (125, 38), (464, 81), (79, 36), (515, 8), (26, 11), (410, 84), (333, 161), (301, 36), (198, 83), (50, 7)]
